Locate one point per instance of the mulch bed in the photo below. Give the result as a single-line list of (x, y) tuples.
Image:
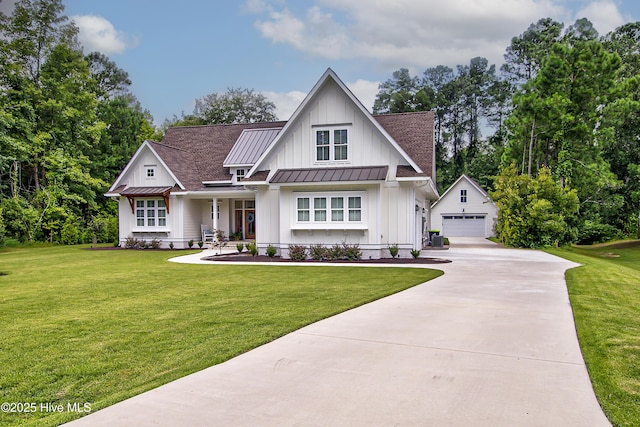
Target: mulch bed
[(246, 257)]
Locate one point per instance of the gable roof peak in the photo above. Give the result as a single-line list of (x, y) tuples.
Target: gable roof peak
[(330, 74)]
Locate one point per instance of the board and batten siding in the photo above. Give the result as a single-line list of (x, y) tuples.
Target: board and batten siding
[(367, 146), (137, 174)]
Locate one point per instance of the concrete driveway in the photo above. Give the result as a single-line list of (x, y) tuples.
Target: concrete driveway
[(490, 343)]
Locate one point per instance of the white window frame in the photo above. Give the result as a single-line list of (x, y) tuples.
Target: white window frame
[(332, 146), (329, 210), (150, 171), (151, 213), (464, 195), (240, 173)]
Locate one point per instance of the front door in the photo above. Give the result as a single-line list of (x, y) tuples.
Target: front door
[(250, 221)]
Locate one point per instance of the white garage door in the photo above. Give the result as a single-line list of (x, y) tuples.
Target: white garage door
[(463, 225)]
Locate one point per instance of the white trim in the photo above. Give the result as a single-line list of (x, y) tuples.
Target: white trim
[(470, 181), (151, 230), (331, 129), (227, 182), (328, 223)]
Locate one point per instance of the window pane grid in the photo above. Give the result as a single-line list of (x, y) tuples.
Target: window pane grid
[(322, 145), (332, 145), (319, 209), (355, 209), (303, 209), (337, 209), (340, 144), (328, 208), (151, 213)]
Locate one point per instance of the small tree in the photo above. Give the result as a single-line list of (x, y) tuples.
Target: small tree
[(534, 212)]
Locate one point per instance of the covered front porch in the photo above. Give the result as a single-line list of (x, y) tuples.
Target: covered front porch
[(234, 216)]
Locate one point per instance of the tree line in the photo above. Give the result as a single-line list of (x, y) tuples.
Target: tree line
[(562, 110), (68, 125), (554, 133)]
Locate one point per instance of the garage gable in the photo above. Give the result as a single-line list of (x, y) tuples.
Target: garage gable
[(464, 210)]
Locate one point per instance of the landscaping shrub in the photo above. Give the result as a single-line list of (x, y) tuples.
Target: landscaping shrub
[(131, 243), (135, 243), (350, 252), (252, 248), (271, 251), (298, 252), (319, 252), (415, 253), (343, 251), (190, 243), (393, 250), (240, 247)]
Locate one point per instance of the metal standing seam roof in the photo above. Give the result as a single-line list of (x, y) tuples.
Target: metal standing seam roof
[(374, 173), (144, 191), (249, 146)]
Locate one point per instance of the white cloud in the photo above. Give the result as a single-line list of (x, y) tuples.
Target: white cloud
[(98, 34), (416, 33), (286, 103), (604, 15), (365, 91)]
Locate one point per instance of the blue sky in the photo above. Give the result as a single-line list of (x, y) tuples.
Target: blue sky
[(176, 52)]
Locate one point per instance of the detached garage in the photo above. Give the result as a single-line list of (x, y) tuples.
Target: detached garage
[(464, 210)]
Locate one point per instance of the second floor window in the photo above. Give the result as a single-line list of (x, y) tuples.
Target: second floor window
[(332, 145)]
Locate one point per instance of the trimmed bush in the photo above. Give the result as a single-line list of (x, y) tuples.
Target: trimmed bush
[(252, 248), (393, 250), (415, 253), (271, 251), (350, 252), (319, 252), (298, 252)]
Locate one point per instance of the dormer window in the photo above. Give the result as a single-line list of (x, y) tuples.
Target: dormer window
[(463, 196), (151, 171), (332, 144)]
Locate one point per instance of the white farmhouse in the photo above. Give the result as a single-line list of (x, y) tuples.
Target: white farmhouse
[(333, 173)]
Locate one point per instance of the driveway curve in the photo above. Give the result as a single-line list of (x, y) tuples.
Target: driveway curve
[(492, 342)]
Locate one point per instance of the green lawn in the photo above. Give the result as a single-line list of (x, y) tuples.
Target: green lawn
[(605, 297), (86, 326)]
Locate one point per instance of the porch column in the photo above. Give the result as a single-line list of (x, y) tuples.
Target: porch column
[(215, 213)]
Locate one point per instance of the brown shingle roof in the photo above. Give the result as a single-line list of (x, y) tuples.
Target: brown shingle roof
[(414, 133), (196, 153), (207, 146)]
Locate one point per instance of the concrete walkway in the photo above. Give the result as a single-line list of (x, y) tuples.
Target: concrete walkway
[(490, 343)]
